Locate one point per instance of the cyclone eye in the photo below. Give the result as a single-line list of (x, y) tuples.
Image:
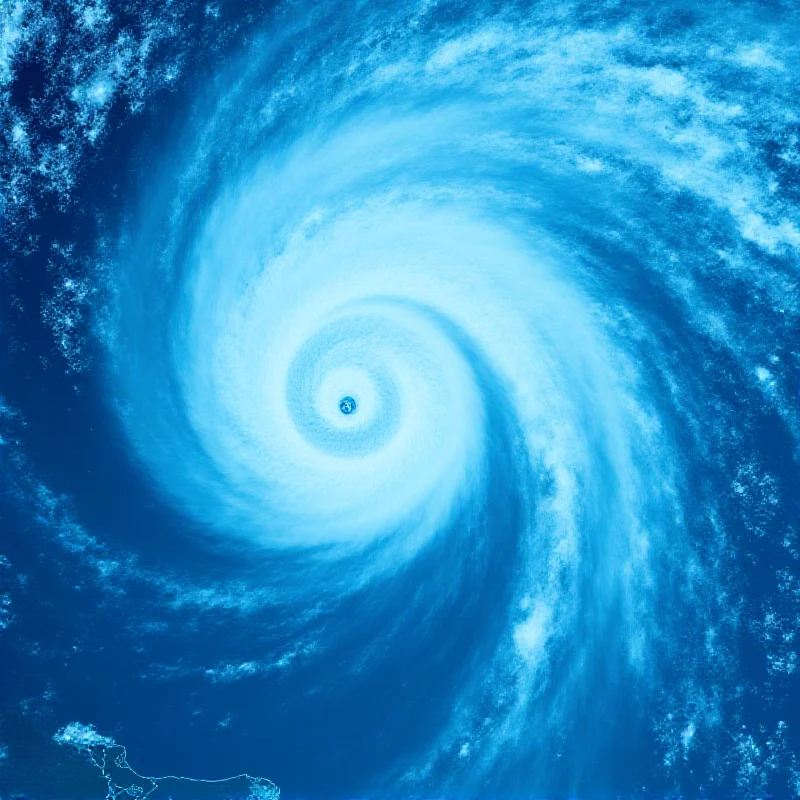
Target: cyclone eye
[(347, 405)]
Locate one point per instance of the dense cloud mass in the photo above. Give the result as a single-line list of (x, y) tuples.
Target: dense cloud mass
[(546, 253)]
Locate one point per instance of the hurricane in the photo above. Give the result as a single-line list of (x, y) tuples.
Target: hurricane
[(409, 404)]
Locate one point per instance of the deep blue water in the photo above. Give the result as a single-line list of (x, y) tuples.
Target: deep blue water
[(550, 251)]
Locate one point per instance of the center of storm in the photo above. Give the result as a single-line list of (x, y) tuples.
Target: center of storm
[(347, 405)]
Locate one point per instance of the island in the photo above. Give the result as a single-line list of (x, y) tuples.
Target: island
[(124, 783)]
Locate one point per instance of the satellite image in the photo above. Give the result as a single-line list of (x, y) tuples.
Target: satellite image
[(399, 400)]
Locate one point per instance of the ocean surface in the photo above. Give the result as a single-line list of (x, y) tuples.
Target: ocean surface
[(399, 400)]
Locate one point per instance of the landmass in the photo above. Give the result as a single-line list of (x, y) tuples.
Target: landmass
[(111, 759)]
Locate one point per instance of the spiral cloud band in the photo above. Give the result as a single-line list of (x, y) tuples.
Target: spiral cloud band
[(418, 231), (493, 238)]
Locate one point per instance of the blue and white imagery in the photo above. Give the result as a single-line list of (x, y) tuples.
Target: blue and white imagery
[(399, 400)]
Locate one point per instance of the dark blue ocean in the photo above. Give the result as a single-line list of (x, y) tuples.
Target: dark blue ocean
[(399, 400)]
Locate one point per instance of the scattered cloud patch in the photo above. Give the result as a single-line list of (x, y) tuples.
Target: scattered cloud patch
[(81, 737)]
